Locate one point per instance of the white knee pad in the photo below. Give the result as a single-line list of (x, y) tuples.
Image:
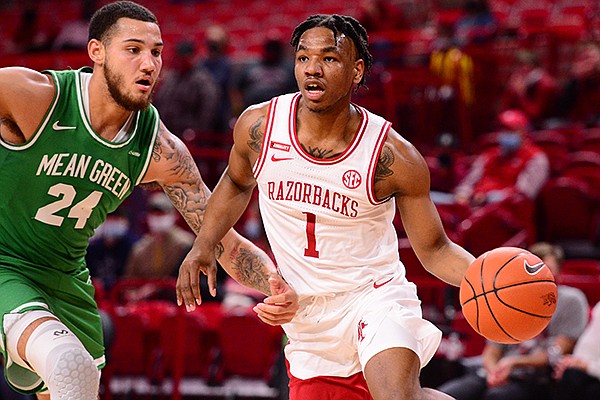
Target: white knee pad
[(60, 359), (14, 326)]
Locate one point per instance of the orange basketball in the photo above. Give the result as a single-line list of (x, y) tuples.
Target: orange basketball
[(508, 295)]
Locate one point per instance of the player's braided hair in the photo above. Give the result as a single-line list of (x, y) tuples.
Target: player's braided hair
[(106, 17), (339, 25)]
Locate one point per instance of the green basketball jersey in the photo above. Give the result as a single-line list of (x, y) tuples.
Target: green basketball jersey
[(58, 187)]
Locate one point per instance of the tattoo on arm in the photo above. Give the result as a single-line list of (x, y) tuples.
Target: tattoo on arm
[(249, 270), (186, 190), (386, 159), (256, 135)]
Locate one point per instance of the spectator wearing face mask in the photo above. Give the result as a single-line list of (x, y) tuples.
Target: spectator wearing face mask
[(161, 250), (109, 249), (516, 166)]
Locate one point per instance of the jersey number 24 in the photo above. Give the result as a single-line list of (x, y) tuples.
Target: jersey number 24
[(80, 211)]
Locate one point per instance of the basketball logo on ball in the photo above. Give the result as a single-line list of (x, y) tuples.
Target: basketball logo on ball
[(508, 295)]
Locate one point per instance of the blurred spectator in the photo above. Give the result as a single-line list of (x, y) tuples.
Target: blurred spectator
[(218, 63), (523, 371), (381, 15), (446, 162), (266, 78), (188, 97), (516, 166), (531, 89), (579, 374), (74, 34), (109, 249), (454, 66), (27, 36), (159, 252), (580, 98), (476, 25)]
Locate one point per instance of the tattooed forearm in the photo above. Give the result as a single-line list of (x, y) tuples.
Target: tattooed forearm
[(386, 159), (185, 188), (318, 153), (256, 135), (249, 270), (191, 204)]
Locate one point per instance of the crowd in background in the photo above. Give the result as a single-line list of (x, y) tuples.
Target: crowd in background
[(489, 152)]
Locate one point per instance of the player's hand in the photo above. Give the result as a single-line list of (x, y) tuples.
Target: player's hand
[(188, 280), (501, 372), (569, 361), (281, 306)]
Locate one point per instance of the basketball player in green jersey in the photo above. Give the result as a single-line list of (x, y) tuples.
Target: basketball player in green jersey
[(73, 144)]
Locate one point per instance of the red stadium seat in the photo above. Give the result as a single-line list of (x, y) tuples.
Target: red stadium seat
[(556, 146), (128, 358), (249, 347), (139, 308), (567, 211), (585, 166), (581, 267), (590, 141), (189, 345), (493, 226)]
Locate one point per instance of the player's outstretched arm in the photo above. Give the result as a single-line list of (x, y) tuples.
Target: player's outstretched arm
[(402, 173), (173, 168)]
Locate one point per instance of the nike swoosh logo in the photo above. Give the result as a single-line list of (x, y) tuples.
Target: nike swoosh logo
[(58, 127), (533, 269), (378, 285), (275, 159)]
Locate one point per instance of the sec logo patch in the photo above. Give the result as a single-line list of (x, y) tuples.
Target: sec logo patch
[(351, 179)]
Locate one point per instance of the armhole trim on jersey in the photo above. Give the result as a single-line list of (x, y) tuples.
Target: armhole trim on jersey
[(262, 157), (151, 149), (44, 122), (383, 133)]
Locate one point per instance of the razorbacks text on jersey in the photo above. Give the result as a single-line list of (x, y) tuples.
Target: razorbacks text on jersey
[(321, 216)]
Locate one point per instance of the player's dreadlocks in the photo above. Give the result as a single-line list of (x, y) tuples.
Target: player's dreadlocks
[(339, 25)]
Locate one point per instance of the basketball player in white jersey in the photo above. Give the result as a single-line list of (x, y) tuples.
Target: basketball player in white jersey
[(330, 176)]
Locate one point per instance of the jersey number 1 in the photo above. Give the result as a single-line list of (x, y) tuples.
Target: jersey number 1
[(311, 240), (80, 211)]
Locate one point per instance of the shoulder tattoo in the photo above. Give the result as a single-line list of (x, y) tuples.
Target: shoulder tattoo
[(386, 159), (256, 135)]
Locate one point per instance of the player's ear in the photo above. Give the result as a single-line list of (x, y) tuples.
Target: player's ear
[(359, 70), (96, 51)]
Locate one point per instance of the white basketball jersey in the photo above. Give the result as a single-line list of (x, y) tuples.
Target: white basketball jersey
[(328, 232)]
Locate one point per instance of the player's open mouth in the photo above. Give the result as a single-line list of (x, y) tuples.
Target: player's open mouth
[(145, 84), (313, 91), (314, 88)]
